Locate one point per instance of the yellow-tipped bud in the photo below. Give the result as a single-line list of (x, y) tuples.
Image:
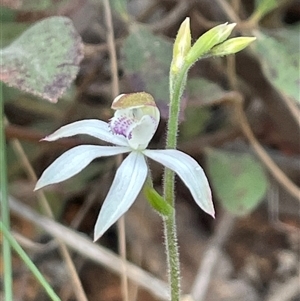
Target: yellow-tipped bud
[(182, 45), (214, 36), (232, 46)]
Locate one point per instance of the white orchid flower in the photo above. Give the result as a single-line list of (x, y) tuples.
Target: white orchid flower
[(130, 130)]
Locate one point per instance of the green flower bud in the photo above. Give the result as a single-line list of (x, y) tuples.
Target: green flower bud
[(231, 46), (182, 45), (214, 36)]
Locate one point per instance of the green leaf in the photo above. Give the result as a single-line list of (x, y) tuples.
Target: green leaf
[(44, 60), (146, 60), (157, 202), (279, 56), (238, 180), (204, 91), (196, 119)]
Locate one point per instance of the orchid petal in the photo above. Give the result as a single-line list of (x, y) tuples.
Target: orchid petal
[(91, 127), (126, 186), (142, 132), (190, 173), (74, 160)]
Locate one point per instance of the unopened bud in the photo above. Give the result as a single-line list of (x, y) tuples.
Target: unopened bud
[(231, 46), (182, 45), (214, 36)]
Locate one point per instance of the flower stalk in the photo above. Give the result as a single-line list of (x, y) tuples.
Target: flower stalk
[(211, 43), (178, 75)]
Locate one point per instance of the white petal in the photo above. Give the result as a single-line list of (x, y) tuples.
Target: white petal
[(142, 132), (190, 173), (127, 184), (93, 127), (74, 160)]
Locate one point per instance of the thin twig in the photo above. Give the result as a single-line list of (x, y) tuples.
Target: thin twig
[(293, 108), (210, 258), (178, 12), (231, 72), (115, 91), (91, 50), (33, 246), (273, 168), (111, 48), (286, 291), (236, 99), (229, 11), (202, 21), (148, 11), (84, 246)]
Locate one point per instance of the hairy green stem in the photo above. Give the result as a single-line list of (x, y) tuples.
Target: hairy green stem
[(177, 83), (5, 218)]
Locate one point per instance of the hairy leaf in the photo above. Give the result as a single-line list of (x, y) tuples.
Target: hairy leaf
[(279, 56), (238, 180), (44, 60), (146, 60)]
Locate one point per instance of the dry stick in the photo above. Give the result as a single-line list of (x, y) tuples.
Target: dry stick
[(286, 291), (210, 258), (295, 111), (91, 50), (231, 72), (236, 4), (115, 92), (79, 217), (236, 99), (242, 119), (148, 11), (229, 11), (77, 286), (202, 21), (83, 245), (278, 174), (111, 48), (28, 244), (173, 16)]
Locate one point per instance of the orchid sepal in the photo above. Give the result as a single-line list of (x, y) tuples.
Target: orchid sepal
[(127, 184), (74, 160), (190, 173)]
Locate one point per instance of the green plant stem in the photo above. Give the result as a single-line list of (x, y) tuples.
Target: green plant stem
[(177, 83), (172, 256), (29, 263), (5, 217)]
